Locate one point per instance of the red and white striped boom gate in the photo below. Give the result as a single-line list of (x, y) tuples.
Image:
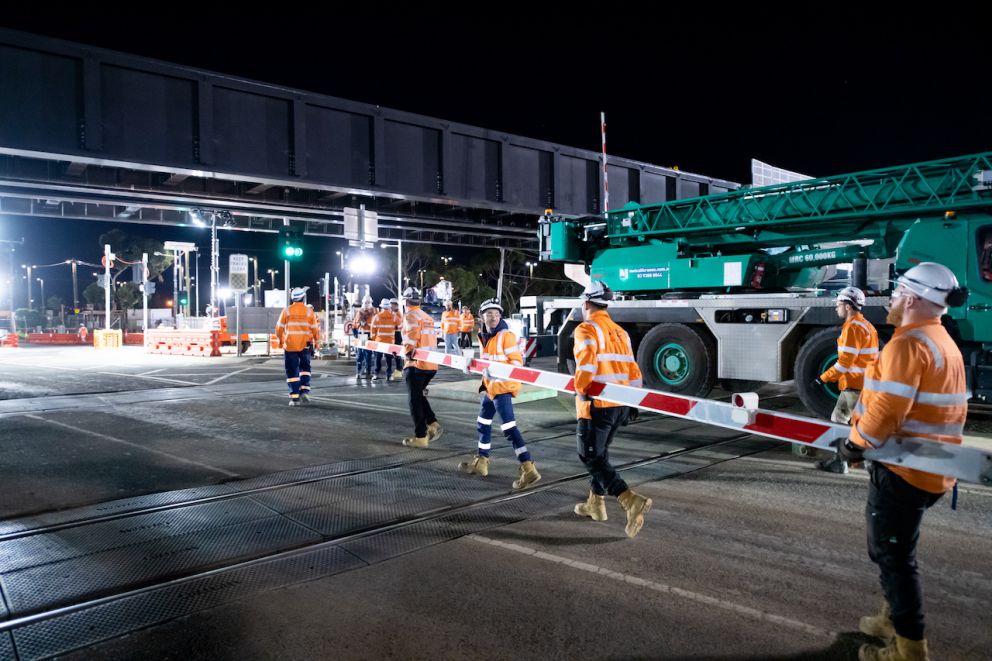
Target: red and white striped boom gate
[(965, 463)]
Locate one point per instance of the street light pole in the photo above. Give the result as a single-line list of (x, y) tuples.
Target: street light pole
[(30, 299), (42, 281), (75, 288)]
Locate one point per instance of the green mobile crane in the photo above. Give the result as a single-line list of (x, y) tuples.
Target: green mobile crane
[(729, 287)]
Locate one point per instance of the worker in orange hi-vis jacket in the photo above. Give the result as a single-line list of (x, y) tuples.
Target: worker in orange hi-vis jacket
[(418, 333), (384, 327), (603, 354), (499, 345), (857, 348), (467, 327), (916, 389), (297, 327), (450, 323)]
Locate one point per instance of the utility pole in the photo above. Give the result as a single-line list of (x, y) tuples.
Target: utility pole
[(75, 288), (108, 283), (144, 296)]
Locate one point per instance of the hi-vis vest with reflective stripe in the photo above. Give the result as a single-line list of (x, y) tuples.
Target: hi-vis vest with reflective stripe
[(857, 348), (450, 322), (384, 326), (502, 348), (603, 354), (297, 326), (418, 333), (467, 324), (916, 388)]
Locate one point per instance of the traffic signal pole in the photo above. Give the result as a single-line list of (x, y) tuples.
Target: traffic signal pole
[(107, 282)]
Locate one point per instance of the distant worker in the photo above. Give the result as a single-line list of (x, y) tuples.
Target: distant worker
[(83, 334), (857, 348), (466, 326), (419, 333), (603, 354), (394, 307), (450, 324), (384, 327), (363, 328), (916, 389), (297, 327), (499, 345)]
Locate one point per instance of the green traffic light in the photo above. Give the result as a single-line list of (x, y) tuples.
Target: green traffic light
[(289, 251)]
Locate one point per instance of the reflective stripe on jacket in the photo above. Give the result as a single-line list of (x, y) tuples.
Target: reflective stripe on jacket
[(418, 333), (450, 322), (603, 354), (467, 322), (857, 348), (502, 348), (916, 388), (297, 326), (384, 326)]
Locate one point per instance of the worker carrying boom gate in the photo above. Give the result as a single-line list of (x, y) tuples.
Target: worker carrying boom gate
[(499, 345), (916, 389), (418, 333), (603, 355), (298, 326), (384, 327), (857, 348)]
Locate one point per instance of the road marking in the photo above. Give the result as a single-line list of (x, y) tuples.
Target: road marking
[(745, 611), (154, 378), (161, 369), (221, 378), (133, 445)]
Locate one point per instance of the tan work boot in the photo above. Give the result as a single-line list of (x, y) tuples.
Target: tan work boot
[(477, 466), (636, 507), (879, 625), (528, 476), (899, 649), (416, 441), (594, 507), (434, 431)]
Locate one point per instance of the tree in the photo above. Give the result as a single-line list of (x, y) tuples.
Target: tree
[(29, 319), (129, 250), (416, 256), (95, 296), (55, 303)]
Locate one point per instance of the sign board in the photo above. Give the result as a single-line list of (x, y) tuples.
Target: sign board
[(148, 288), (361, 227), (102, 280), (138, 273), (237, 273), (275, 298), (181, 246)]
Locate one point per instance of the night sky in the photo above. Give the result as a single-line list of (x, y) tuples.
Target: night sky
[(821, 92)]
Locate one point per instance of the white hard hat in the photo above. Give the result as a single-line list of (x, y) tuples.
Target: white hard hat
[(448, 302), (366, 300), (598, 293), (490, 304), (412, 294), (394, 301), (852, 295), (935, 283), (384, 303), (299, 293)]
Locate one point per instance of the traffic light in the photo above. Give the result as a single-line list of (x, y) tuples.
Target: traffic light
[(184, 298), (290, 244)]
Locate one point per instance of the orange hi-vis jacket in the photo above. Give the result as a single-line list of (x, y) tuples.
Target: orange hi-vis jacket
[(603, 354), (916, 389), (857, 348), (502, 348), (450, 322), (418, 333), (467, 324), (384, 326), (297, 326), (363, 320)]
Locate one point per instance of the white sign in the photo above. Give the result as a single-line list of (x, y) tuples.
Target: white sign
[(237, 273), (179, 245), (361, 227)]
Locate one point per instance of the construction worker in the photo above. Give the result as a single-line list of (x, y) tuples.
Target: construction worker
[(499, 345), (603, 354), (451, 322), (915, 389), (467, 325), (83, 334), (297, 327), (384, 327), (857, 348), (362, 325), (394, 307), (419, 333)]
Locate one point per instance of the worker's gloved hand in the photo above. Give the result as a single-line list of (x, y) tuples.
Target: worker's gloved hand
[(850, 452), (487, 375), (482, 387), (409, 355)]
